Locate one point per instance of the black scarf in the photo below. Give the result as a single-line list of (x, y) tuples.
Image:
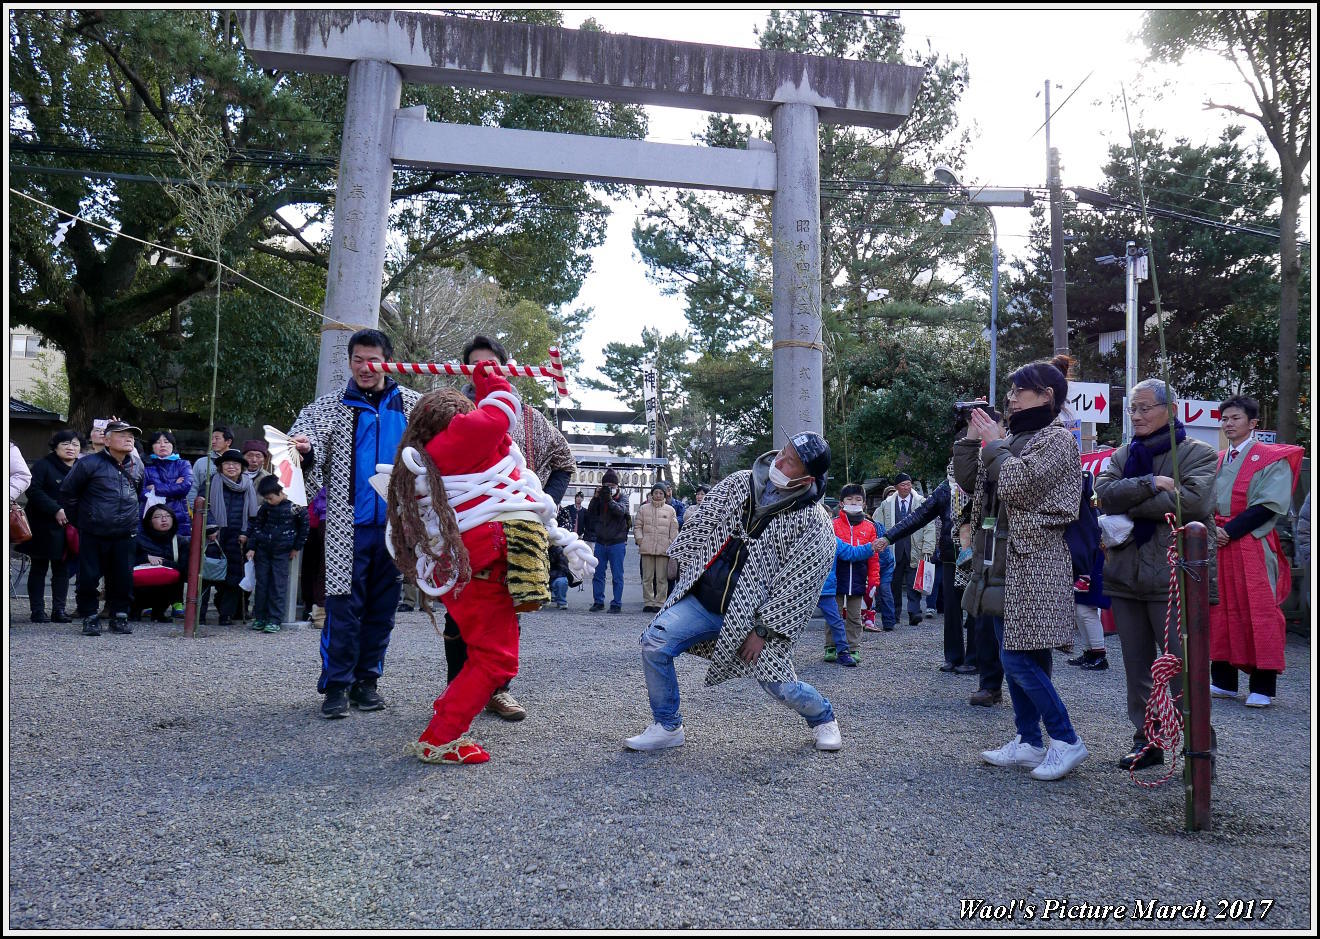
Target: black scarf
[(1141, 462), (1029, 420)]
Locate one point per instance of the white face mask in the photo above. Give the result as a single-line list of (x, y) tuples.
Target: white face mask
[(780, 481), (854, 509)]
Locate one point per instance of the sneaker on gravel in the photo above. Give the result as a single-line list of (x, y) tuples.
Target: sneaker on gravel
[(1061, 759), (655, 737), (503, 704), (257, 625), (92, 626), (831, 655), (120, 625), (1255, 700), (270, 627), (848, 659), (364, 697), (335, 704), (596, 607), (1096, 663), (1216, 692), (1015, 753), (462, 750), (828, 736)]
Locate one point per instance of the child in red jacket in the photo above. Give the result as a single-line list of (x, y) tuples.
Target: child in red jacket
[(855, 579), (468, 523)]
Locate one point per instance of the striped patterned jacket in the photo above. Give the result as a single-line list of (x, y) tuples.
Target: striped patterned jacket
[(780, 582), (331, 426)]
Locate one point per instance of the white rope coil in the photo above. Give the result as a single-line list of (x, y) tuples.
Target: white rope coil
[(496, 494)]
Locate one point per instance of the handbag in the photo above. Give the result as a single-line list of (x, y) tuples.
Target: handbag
[(923, 581), (19, 529), (214, 566), (71, 542), (154, 575)]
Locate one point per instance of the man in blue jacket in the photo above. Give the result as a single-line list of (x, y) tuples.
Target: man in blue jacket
[(342, 436)]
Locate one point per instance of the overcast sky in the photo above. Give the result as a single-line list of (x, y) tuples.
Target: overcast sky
[(1010, 55)]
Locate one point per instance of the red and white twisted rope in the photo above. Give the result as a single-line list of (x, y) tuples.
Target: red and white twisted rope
[(553, 371), (1164, 722)]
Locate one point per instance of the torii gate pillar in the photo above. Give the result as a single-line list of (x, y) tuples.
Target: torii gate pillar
[(798, 349), (362, 211)]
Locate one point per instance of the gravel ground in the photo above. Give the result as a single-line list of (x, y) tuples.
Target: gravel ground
[(157, 782)]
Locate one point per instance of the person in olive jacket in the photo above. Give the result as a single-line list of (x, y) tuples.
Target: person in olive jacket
[(49, 524), (100, 497)]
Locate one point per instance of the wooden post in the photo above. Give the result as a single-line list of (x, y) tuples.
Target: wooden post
[(1197, 650), (194, 566)]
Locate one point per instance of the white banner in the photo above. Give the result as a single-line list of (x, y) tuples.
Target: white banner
[(1199, 413), (1089, 402), (286, 464), (651, 396)]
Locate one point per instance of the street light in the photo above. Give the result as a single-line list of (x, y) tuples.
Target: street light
[(984, 198)]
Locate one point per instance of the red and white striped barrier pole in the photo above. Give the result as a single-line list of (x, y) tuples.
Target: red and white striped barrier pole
[(554, 371)]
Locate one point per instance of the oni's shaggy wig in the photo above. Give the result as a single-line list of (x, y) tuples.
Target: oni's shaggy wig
[(408, 536)]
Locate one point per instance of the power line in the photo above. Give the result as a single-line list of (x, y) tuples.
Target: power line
[(1060, 107), (184, 254)]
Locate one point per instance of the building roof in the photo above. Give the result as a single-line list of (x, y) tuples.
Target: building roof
[(21, 410)]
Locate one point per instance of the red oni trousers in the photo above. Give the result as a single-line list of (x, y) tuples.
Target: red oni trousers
[(484, 613)]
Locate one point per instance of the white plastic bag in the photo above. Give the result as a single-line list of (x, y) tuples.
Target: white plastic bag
[(249, 581), (152, 499), (1115, 530), (923, 580)]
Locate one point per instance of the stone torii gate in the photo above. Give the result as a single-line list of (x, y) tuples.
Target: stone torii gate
[(379, 50)]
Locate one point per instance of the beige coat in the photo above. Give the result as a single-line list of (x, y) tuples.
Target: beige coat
[(655, 528)]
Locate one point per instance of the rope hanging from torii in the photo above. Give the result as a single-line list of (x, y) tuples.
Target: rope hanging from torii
[(554, 371)]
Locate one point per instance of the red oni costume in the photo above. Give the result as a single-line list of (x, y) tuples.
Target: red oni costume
[(1247, 628), (483, 609)]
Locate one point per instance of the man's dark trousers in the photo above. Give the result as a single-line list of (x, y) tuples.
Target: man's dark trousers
[(953, 617), (991, 670), (109, 557), (358, 624)]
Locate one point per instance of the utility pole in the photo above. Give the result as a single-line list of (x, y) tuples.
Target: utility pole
[(1058, 271), (1135, 268)]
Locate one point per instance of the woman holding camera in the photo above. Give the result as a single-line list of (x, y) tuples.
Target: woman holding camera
[(1027, 489)]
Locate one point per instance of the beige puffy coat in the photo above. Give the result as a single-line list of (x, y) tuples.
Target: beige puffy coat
[(655, 527)]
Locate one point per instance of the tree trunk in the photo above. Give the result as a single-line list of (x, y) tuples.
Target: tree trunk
[(1290, 271), (90, 396)]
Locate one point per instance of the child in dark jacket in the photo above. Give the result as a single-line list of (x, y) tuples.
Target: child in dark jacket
[(278, 534)]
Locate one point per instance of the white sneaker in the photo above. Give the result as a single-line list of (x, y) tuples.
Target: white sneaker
[(828, 736), (1216, 692), (1061, 759), (655, 737), (1015, 753), (1255, 700)]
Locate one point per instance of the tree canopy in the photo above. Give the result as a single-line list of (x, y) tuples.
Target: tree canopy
[(96, 102)]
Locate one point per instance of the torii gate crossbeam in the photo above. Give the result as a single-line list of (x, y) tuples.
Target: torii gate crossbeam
[(380, 49)]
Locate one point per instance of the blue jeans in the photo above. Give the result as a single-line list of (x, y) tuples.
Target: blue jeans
[(559, 590), (834, 624), (678, 629), (884, 598), (611, 554), (1032, 692)]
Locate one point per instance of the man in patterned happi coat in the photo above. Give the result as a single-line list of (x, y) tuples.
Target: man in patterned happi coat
[(752, 558), (342, 437)]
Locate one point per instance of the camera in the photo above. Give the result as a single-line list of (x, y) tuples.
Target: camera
[(963, 408)]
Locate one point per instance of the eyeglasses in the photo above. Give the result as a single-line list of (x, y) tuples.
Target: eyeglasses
[(1140, 410)]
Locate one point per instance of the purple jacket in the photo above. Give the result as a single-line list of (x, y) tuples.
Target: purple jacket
[(172, 480)]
